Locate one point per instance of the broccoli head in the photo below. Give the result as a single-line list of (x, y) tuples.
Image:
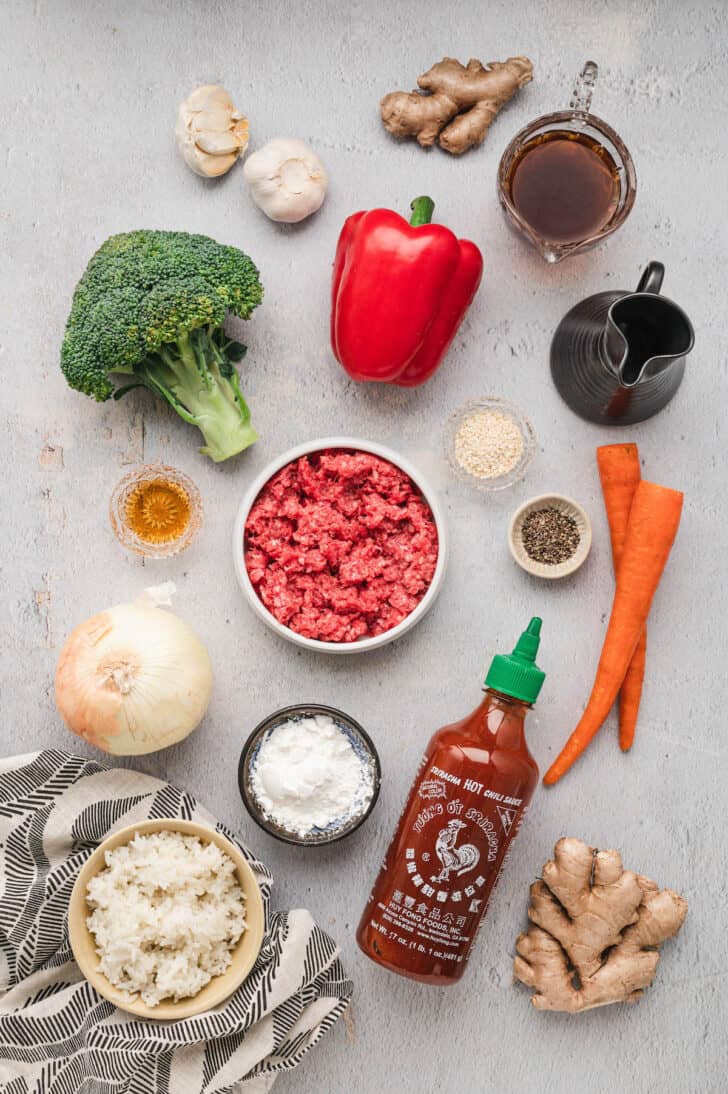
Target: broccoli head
[(151, 306)]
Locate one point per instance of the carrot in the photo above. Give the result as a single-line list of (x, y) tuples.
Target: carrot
[(630, 694), (651, 530), (619, 471)]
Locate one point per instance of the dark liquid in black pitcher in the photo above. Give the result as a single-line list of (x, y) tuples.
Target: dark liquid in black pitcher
[(564, 185), (643, 341)]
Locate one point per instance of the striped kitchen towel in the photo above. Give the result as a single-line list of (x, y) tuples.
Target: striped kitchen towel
[(57, 1035)]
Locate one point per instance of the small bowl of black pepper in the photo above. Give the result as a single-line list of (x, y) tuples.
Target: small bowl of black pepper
[(550, 536)]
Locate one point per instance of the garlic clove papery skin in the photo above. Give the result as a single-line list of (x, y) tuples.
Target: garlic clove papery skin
[(287, 179), (211, 133), (133, 679)]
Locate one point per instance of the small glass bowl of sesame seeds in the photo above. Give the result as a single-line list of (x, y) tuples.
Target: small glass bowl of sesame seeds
[(489, 443)]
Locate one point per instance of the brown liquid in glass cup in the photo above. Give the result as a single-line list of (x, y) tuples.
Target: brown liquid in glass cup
[(566, 181), (564, 185)]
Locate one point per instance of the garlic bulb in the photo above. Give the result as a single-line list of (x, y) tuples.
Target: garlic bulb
[(133, 679), (287, 179), (210, 132)]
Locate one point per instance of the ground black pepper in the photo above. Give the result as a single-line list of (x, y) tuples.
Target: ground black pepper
[(549, 536)]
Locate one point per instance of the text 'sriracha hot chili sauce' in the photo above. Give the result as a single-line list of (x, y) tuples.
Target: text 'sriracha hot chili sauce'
[(463, 812)]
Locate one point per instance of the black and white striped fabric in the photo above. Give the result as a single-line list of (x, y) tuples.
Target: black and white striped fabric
[(57, 1035)]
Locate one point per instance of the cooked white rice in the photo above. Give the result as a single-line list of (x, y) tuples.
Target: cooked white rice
[(167, 911)]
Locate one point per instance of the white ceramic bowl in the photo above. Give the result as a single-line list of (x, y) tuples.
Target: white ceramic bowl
[(363, 645), (569, 508)]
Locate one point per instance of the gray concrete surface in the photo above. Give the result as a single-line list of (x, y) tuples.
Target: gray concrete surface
[(89, 93)]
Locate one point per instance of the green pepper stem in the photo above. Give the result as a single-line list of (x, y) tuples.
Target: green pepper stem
[(422, 210)]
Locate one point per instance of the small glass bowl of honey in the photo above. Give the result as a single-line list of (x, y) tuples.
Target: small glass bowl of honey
[(155, 511)]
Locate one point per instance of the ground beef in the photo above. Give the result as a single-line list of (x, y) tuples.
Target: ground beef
[(340, 545)]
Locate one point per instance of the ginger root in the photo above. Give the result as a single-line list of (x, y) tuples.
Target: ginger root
[(473, 92), (595, 930)]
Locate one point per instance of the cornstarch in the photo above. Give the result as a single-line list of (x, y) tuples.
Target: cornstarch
[(307, 775)]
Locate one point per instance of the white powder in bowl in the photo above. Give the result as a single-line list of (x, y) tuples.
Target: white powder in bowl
[(306, 775), (168, 909)]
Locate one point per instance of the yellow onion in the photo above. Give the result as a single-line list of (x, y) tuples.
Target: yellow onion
[(134, 678)]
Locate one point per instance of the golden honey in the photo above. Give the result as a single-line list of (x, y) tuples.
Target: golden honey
[(158, 511)]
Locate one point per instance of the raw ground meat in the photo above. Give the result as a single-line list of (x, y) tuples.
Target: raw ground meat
[(340, 545)]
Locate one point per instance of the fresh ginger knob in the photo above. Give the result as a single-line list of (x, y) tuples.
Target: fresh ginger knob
[(460, 103)]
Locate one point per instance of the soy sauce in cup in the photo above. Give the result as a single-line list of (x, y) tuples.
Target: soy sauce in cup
[(565, 185), (566, 180)]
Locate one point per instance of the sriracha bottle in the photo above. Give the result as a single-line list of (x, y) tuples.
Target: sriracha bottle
[(465, 807)]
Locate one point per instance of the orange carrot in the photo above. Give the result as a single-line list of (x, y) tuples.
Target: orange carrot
[(651, 530), (630, 694), (619, 471)]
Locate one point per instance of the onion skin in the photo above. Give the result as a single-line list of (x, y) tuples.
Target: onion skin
[(133, 680)]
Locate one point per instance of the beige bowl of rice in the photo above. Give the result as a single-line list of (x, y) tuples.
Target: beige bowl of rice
[(166, 919)]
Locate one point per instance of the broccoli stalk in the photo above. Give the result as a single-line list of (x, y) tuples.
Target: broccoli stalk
[(151, 305), (197, 377)]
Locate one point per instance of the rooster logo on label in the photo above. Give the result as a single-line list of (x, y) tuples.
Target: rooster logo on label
[(459, 859)]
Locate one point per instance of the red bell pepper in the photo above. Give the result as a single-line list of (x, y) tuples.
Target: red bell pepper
[(399, 294)]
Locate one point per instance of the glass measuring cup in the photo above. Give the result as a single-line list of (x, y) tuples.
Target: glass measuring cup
[(567, 180)]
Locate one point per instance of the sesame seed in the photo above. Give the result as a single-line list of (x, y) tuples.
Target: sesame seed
[(488, 444)]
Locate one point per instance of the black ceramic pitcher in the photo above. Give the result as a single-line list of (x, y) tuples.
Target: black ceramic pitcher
[(619, 357)]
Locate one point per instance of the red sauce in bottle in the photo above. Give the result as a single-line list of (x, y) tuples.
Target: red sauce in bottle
[(469, 797)]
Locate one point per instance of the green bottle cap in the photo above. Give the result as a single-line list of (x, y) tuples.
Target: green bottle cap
[(517, 674)]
